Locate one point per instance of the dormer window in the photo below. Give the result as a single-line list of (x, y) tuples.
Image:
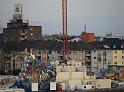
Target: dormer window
[(114, 46), (122, 46)]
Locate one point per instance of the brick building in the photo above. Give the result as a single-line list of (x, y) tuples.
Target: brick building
[(19, 30), (89, 37)]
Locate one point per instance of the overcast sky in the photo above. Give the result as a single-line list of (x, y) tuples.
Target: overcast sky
[(101, 16)]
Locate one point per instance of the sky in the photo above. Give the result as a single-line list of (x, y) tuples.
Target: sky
[(100, 16)]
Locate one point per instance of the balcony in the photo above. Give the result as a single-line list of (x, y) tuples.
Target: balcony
[(23, 38), (88, 60), (88, 54), (88, 64)]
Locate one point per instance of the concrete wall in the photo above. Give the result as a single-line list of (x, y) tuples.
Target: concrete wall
[(103, 83), (63, 76), (75, 82), (73, 76), (69, 72)]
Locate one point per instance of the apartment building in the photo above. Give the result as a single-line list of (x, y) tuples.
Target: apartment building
[(118, 57), (79, 57), (100, 60)]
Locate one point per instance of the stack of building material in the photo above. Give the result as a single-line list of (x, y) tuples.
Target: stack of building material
[(15, 90)]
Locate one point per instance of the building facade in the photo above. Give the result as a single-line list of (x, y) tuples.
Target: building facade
[(19, 30), (100, 59), (1, 36), (118, 57), (89, 37), (88, 59)]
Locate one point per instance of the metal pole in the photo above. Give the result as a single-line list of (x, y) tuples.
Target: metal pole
[(65, 29)]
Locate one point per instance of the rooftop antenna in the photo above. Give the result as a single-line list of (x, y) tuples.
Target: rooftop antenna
[(85, 28)]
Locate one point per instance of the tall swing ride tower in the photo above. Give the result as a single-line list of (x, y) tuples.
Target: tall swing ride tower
[(64, 29)]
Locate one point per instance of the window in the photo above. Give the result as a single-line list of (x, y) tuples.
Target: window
[(115, 57), (109, 51), (82, 63), (99, 59), (23, 31), (123, 62), (94, 51), (122, 46), (122, 57), (94, 62), (114, 46), (99, 54), (84, 86), (105, 62), (99, 85), (94, 57), (104, 53), (109, 62), (115, 62), (115, 52)]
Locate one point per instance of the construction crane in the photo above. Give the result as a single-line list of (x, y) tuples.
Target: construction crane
[(64, 28)]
